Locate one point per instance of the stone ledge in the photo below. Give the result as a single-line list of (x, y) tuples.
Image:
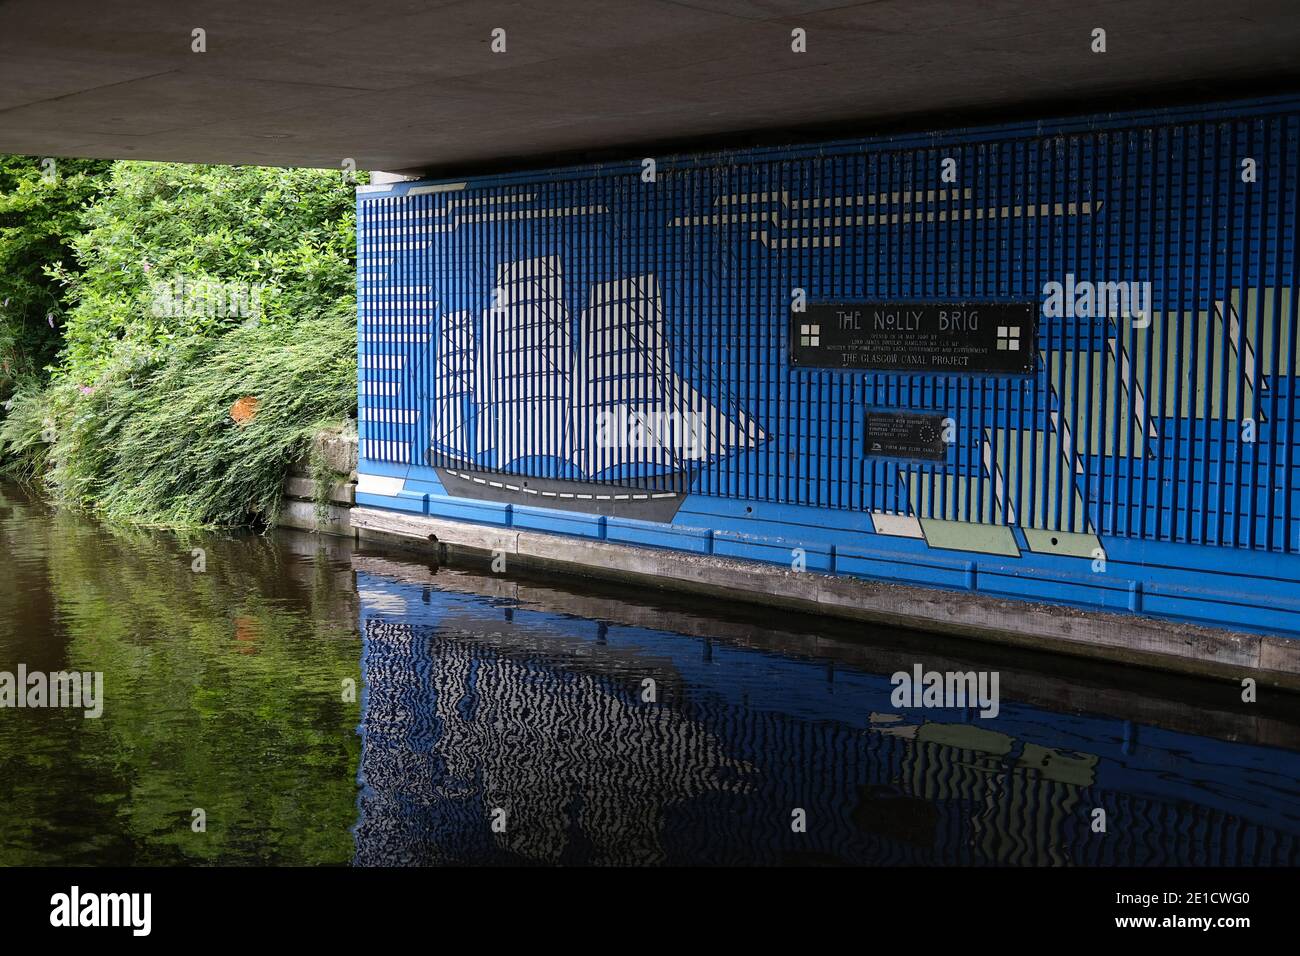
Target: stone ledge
[(1136, 695), (304, 489), (302, 515), (1141, 641)]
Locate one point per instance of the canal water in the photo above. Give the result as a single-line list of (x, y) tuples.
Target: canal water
[(293, 699)]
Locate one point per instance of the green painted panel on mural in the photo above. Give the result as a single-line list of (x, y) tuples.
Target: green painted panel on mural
[(1068, 543), (967, 536)]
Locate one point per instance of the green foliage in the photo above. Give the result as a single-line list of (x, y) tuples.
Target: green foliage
[(290, 232), (158, 444), (136, 419), (41, 210), (25, 431), (323, 480)]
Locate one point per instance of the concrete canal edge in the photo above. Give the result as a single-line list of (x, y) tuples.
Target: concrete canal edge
[(331, 460), (1135, 696), (301, 509), (1139, 641), (1145, 642)]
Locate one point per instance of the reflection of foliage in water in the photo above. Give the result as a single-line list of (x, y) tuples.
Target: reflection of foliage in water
[(223, 691)]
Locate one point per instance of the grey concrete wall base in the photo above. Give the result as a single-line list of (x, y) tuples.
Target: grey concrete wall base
[(304, 489), (302, 515), (1147, 642), (336, 446)]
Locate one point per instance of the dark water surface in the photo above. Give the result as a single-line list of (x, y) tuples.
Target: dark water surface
[(484, 698)]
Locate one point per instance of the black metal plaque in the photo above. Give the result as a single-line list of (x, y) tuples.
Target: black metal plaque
[(905, 435), (944, 337)]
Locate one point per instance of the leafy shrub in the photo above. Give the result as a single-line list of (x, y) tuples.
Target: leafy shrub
[(139, 419), (158, 444), (40, 215), (25, 430), (290, 232)]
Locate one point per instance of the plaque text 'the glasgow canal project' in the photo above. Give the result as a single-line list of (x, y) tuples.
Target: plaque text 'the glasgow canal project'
[(951, 338)]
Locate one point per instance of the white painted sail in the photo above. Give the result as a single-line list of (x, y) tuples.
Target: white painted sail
[(630, 406), (454, 373), (525, 371)]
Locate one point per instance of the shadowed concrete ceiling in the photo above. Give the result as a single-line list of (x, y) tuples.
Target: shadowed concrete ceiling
[(412, 85)]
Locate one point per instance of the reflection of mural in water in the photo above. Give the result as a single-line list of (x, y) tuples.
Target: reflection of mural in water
[(475, 703), (533, 739)]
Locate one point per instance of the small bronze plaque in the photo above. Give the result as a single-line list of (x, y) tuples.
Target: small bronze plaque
[(905, 435)]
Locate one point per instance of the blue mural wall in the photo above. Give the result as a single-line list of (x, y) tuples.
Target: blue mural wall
[(606, 352)]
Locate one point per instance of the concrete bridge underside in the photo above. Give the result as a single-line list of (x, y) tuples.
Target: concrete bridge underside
[(414, 85)]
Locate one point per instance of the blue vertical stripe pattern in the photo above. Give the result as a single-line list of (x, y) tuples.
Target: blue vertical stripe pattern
[(499, 317)]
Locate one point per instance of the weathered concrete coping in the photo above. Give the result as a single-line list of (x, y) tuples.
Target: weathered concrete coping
[(1139, 696), (1146, 642)]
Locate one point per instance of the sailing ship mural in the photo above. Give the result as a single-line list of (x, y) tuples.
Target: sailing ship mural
[(578, 340), (607, 426)]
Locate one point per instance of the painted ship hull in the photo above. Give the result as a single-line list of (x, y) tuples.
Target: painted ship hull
[(656, 498)]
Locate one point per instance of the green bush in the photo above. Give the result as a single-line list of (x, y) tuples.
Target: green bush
[(26, 431), (159, 445), (41, 210), (290, 232), (136, 420)]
